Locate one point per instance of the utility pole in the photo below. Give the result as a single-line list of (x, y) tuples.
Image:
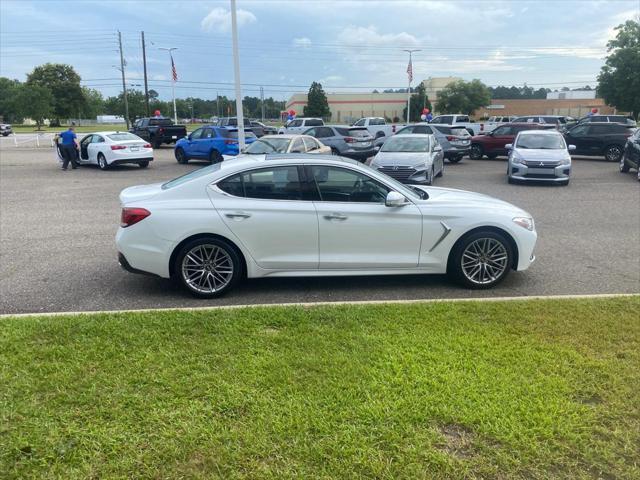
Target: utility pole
[(262, 102), (217, 104), (146, 86), (410, 75), (174, 77), (236, 70), (124, 85)]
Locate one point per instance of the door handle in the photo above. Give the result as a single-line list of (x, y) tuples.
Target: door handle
[(335, 216), (240, 215)]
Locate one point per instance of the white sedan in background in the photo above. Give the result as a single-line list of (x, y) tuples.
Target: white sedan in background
[(114, 148), (286, 143), (315, 215)]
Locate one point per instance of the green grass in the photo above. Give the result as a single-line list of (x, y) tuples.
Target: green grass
[(527, 389)]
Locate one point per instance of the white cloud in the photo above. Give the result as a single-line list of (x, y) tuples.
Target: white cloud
[(302, 42), (219, 20), (369, 36), (331, 79)]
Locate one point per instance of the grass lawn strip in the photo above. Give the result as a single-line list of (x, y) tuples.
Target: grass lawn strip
[(527, 389)]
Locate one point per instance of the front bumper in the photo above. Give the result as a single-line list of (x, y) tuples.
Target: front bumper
[(405, 174), (538, 173)]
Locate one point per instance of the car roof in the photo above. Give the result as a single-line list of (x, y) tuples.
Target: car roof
[(539, 132), (520, 124), (110, 132)]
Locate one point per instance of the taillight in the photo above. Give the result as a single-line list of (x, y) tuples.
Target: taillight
[(349, 139), (230, 142), (146, 145), (118, 147), (161, 130), (131, 216), (451, 137)]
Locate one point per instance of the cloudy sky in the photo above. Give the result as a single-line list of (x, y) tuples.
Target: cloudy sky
[(285, 45)]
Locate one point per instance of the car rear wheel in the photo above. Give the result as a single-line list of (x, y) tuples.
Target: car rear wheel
[(476, 152), (144, 164), (613, 153), (481, 260), (215, 157), (624, 168), (208, 267), (102, 162), (181, 157)]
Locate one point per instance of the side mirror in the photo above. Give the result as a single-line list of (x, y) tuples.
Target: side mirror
[(395, 199), (437, 148), (572, 147), (509, 146)]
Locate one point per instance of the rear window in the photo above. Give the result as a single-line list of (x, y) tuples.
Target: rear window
[(123, 137), (459, 131), (192, 175), (234, 133), (358, 132), (445, 130), (160, 121), (314, 123)]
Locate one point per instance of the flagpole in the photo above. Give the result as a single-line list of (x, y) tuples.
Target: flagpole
[(173, 82), (410, 75)]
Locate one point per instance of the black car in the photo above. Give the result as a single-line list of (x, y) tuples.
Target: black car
[(631, 157), (257, 130), (609, 118), (158, 130), (267, 129), (599, 139)]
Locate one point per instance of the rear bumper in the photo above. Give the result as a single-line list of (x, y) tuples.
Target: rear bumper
[(122, 260), (122, 161), (358, 154), (453, 152)]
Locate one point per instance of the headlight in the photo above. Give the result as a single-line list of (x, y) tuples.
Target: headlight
[(565, 161), (525, 222), (516, 158)]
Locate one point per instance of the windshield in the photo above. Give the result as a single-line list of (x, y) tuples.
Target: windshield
[(268, 145), (122, 137), (200, 172), (406, 144), (540, 141)]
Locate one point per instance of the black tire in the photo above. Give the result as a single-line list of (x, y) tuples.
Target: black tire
[(441, 171), (624, 168), (492, 156), (181, 157), (231, 261), (215, 157), (102, 162), (613, 153), (430, 179), (491, 272), (476, 151), (144, 164)]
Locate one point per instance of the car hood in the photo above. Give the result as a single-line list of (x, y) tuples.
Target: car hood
[(401, 158), (139, 192), (464, 199), (541, 154)]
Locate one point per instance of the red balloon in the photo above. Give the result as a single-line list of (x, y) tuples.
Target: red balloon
[(157, 113), (292, 112), (426, 111), (594, 110)]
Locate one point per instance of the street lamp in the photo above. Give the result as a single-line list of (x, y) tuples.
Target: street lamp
[(174, 77), (410, 75)]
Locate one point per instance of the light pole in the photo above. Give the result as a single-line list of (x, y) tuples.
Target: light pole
[(236, 70), (174, 77), (410, 75)]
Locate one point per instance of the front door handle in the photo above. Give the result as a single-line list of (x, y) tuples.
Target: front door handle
[(335, 216), (237, 215)]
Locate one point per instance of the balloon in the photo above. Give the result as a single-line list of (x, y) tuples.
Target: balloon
[(289, 117), (429, 117), (157, 113), (426, 110), (594, 110), (423, 117), (292, 113)]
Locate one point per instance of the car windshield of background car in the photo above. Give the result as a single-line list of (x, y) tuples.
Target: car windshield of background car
[(540, 142), (404, 144)]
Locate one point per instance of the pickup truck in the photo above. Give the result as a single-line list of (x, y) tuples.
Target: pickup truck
[(460, 120), (378, 127), (299, 125), (158, 130), (232, 122)]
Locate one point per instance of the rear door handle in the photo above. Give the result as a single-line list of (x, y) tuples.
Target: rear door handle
[(335, 216), (237, 215)]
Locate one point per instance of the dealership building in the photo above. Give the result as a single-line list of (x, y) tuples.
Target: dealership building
[(348, 107)]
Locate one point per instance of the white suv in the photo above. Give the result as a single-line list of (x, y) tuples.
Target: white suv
[(300, 125)]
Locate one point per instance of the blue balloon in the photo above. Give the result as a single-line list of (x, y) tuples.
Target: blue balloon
[(289, 117), (429, 117)]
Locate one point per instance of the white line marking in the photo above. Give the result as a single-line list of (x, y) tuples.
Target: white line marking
[(320, 304)]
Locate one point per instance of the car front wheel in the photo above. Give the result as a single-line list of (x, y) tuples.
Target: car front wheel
[(208, 267), (102, 162), (181, 157), (481, 260), (613, 153)]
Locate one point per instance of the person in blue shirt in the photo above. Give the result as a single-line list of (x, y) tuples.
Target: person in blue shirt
[(68, 148)]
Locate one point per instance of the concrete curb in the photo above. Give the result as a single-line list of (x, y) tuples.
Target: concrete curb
[(318, 304)]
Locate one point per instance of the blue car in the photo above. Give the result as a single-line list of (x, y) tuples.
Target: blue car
[(210, 143)]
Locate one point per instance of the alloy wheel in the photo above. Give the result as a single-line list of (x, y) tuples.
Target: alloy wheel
[(484, 261), (613, 154), (207, 268)]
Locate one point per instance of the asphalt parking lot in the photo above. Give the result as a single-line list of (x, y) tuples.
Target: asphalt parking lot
[(58, 253)]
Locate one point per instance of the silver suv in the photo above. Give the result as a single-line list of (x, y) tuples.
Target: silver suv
[(454, 140)]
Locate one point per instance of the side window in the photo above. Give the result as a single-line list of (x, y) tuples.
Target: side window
[(422, 129), (86, 140), (208, 133), (324, 132), (232, 186), (359, 123), (297, 146), (503, 131), (462, 119), (406, 130), (448, 119), (579, 131), (314, 122), (197, 134), (311, 131), (97, 139), (311, 144), (279, 183), (337, 184), (437, 120), (296, 123), (376, 121), (600, 130)]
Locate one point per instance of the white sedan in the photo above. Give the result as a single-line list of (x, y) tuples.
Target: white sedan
[(315, 215), (114, 148), (268, 144)]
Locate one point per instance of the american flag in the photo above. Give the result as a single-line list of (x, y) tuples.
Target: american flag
[(174, 73), (410, 71)]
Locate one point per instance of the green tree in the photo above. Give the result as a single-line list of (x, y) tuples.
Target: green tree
[(9, 110), (619, 79), (64, 83), (94, 103), (317, 104), (35, 102), (418, 101), (463, 97), (135, 99)]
